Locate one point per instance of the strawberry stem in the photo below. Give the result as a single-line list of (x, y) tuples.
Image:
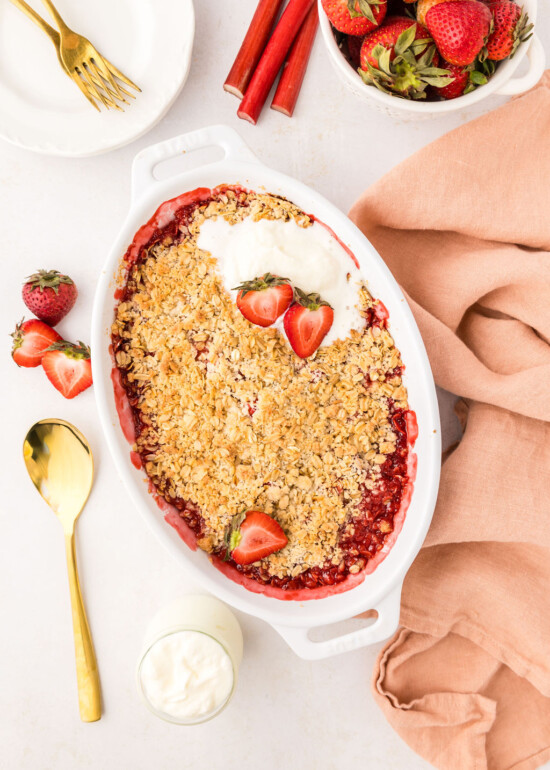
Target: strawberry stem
[(77, 352), (266, 281), (311, 301)]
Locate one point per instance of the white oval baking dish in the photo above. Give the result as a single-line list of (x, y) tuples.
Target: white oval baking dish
[(504, 82), (381, 590)]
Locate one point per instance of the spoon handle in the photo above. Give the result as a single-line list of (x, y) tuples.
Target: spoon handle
[(89, 695)]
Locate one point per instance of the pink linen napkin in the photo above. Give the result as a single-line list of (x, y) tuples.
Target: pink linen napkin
[(464, 225)]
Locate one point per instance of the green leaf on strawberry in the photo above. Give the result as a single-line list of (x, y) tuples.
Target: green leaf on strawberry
[(402, 62), (405, 40), (365, 9)]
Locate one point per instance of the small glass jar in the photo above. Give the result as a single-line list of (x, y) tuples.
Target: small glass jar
[(188, 668)]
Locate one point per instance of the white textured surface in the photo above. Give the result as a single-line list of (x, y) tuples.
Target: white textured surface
[(65, 213)]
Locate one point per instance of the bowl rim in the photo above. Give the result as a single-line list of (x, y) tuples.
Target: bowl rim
[(502, 75)]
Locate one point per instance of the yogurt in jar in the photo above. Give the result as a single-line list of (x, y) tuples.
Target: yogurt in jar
[(192, 653)]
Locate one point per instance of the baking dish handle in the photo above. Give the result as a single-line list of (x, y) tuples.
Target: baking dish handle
[(384, 626), (212, 136), (537, 63)]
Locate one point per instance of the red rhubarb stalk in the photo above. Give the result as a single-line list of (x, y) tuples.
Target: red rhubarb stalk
[(253, 45), (272, 59), (295, 67)]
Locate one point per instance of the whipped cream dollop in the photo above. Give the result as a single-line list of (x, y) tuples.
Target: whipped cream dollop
[(187, 675), (310, 257)]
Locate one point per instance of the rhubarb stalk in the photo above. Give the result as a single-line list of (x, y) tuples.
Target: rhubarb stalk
[(273, 58), (252, 47), (295, 67)]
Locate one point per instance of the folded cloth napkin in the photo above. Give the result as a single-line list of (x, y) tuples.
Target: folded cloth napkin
[(464, 225)]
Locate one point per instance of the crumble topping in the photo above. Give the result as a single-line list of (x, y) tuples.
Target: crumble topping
[(229, 419)]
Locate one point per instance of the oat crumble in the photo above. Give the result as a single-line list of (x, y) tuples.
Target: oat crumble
[(228, 417)]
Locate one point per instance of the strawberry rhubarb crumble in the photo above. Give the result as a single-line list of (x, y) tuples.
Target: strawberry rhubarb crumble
[(270, 414)]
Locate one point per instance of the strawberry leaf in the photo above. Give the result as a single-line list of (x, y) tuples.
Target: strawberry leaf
[(364, 10), (80, 351), (384, 62), (49, 279), (312, 301), (411, 70), (487, 67), (405, 40), (380, 87), (439, 81), (367, 75), (427, 57), (522, 32), (417, 46), (477, 78), (266, 281)]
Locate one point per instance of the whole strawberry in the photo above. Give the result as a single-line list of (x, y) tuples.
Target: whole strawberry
[(355, 17), (510, 28), (460, 29), (400, 58), (49, 295), (423, 6), (465, 80)]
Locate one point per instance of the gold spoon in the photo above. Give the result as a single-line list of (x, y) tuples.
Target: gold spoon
[(60, 464)]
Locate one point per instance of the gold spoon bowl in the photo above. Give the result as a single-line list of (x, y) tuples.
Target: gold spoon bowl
[(60, 463)]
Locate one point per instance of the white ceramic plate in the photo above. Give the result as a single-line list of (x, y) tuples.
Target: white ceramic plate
[(43, 110)]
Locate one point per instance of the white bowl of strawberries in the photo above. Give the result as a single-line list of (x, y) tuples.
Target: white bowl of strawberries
[(422, 59)]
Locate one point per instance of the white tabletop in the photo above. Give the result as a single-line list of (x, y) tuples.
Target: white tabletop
[(64, 214)]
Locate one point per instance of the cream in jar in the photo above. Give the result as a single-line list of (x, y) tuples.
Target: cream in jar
[(193, 649)]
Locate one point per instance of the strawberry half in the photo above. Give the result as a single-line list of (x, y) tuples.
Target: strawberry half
[(30, 340), (68, 367), (49, 295), (510, 28), (307, 323), (264, 299), (460, 29), (400, 58), (253, 536), (355, 17)]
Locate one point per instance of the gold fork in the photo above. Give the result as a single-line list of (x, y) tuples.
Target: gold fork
[(93, 74)]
